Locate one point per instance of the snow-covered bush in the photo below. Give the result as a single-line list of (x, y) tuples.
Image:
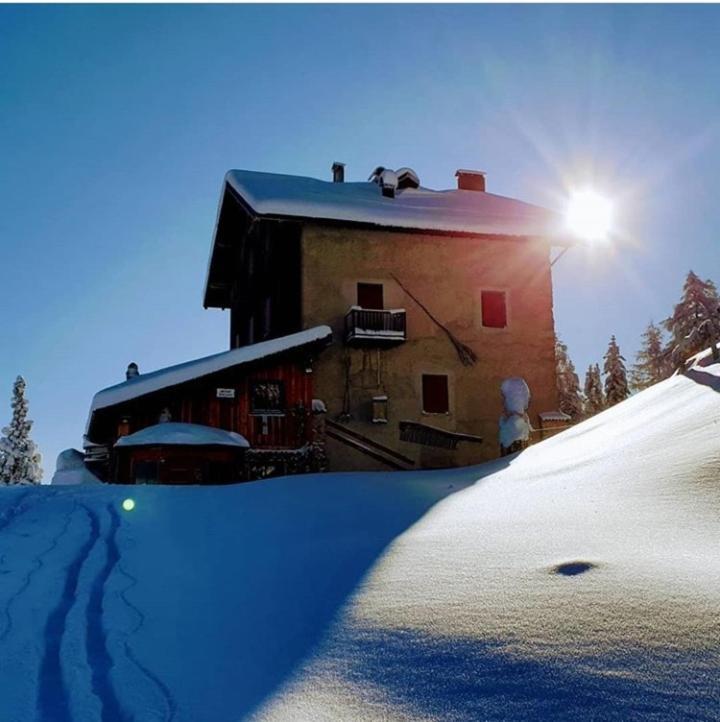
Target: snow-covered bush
[(19, 457), (514, 424), (70, 469)]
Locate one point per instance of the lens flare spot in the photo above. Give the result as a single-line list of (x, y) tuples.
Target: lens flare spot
[(128, 504)]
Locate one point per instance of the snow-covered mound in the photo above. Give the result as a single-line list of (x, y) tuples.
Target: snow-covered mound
[(172, 433), (70, 469), (579, 580)]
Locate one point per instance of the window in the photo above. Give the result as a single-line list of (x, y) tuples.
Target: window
[(435, 394), (494, 309), (146, 472), (267, 397), (370, 295)]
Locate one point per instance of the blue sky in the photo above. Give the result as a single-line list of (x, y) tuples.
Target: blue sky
[(117, 124)]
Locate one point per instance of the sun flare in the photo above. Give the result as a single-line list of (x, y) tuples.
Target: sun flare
[(589, 215)]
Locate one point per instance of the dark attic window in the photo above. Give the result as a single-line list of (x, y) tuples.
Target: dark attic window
[(370, 295), (435, 397), (267, 397), (494, 309)]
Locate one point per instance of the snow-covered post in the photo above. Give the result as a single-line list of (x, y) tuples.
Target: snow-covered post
[(514, 422), (19, 457)]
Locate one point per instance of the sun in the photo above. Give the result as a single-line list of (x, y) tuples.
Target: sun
[(589, 215)]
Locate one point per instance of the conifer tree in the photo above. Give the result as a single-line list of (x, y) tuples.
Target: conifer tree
[(695, 322), (19, 457), (594, 396), (616, 384), (568, 384), (651, 363)]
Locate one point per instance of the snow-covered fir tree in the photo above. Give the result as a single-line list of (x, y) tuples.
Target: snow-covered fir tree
[(594, 396), (652, 361), (568, 384), (695, 322), (616, 383), (19, 457)]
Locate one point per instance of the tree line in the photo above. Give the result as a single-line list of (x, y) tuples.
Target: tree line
[(693, 326)]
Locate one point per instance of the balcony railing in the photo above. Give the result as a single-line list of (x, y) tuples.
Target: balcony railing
[(366, 326)]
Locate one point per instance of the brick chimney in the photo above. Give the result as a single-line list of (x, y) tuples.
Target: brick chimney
[(338, 171), (470, 180)]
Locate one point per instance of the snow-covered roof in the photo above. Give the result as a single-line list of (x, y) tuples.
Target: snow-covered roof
[(172, 375), (703, 358), (176, 434), (273, 194)]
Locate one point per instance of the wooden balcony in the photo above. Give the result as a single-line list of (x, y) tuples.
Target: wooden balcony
[(370, 327)]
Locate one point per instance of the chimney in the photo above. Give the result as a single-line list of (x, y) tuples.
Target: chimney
[(470, 180), (338, 171), (132, 371)]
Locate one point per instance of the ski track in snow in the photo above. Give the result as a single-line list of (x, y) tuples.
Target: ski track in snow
[(37, 564), (53, 699), (98, 655), (130, 655), (161, 686)]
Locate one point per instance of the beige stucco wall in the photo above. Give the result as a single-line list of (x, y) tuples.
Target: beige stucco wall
[(447, 275)]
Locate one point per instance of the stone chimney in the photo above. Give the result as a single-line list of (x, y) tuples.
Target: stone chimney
[(132, 371), (470, 180), (338, 171)]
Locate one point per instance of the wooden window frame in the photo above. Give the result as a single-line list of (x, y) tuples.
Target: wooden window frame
[(267, 412)]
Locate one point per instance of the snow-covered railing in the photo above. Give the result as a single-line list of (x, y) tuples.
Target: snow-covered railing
[(375, 325)]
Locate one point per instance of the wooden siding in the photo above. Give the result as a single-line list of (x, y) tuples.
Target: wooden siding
[(197, 403)]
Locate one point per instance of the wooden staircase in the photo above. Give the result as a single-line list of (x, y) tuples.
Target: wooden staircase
[(367, 446)]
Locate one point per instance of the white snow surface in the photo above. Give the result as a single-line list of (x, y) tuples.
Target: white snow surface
[(578, 580), (172, 375), (416, 208), (173, 433)]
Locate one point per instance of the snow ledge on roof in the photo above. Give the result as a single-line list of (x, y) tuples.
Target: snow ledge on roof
[(453, 210), (190, 370), (177, 434)]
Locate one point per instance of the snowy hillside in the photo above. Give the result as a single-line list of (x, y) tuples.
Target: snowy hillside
[(579, 580)]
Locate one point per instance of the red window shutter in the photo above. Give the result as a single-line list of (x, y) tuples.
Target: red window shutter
[(370, 295), (494, 309), (435, 394)]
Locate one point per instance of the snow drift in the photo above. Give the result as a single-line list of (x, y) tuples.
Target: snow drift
[(577, 580), (70, 470)]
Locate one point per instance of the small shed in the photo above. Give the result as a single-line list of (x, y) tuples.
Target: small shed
[(179, 453), (243, 413)]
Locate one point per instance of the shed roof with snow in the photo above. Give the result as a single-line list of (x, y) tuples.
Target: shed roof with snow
[(180, 434), (148, 383)]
